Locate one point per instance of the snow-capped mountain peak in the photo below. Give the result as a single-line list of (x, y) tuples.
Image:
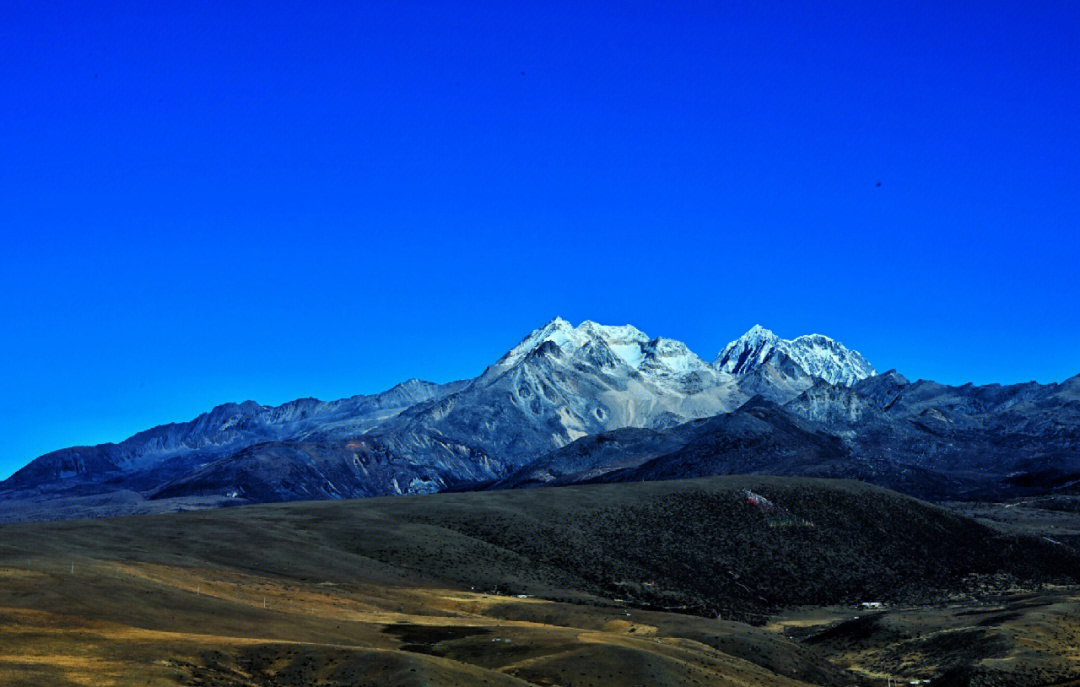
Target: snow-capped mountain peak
[(625, 341), (757, 332), (748, 351), (607, 345), (558, 331), (818, 355), (828, 359)]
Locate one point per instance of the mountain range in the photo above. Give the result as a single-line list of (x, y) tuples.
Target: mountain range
[(583, 404)]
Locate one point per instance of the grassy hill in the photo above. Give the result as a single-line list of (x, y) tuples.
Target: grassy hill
[(619, 581)]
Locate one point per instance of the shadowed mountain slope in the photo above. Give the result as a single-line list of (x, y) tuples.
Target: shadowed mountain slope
[(174, 448), (925, 439)]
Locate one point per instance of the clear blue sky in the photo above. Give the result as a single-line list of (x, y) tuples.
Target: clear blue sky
[(210, 202)]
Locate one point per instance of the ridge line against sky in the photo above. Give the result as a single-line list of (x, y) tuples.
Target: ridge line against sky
[(226, 201), (7, 470)]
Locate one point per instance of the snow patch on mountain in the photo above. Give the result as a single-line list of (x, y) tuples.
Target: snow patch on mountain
[(667, 357)]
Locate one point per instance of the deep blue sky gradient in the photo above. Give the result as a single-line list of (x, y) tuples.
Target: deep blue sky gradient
[(210, 202)]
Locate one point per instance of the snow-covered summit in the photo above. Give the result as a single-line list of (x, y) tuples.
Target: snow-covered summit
[(818, 355), (665, 360), (622, 346), (748, 351), (625, 341), (828, 359)]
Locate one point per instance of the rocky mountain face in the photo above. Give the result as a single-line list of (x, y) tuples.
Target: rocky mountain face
[(926, 439), (586, 403), (562, 383), (225, 430)]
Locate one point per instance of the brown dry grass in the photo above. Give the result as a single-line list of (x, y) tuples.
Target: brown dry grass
[(84, 629)]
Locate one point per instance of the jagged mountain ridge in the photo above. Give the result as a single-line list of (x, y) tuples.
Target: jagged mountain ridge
[(228, 428), (1014, 433), (560, 383)]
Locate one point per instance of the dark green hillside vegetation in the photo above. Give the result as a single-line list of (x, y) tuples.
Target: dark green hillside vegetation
[(699, 546), (695, 546)]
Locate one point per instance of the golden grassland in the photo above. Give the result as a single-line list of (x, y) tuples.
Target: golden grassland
[(133, 623)]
